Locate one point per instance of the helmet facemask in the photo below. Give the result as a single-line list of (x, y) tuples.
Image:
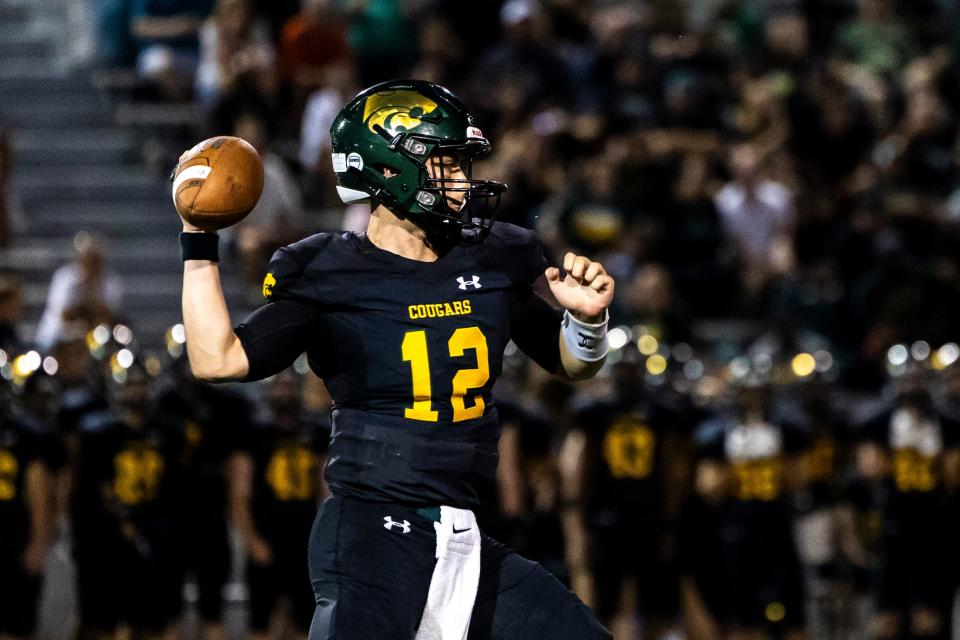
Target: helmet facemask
[(456, 208)]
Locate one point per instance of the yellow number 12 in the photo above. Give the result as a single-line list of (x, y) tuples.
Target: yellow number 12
[(414, 351)]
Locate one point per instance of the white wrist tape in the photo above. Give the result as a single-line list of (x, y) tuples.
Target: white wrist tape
[(586, 342)]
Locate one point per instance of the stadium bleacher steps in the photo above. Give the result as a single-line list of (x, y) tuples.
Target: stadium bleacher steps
[(77, 166)]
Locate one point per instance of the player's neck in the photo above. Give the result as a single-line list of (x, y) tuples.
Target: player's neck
[(402, 237)]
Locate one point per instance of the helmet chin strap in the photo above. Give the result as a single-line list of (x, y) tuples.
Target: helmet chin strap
[(471, 234)]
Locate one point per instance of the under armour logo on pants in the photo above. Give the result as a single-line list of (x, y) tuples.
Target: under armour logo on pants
[(389, 524)]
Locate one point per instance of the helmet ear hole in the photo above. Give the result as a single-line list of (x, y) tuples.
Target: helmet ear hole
[(387, 171)]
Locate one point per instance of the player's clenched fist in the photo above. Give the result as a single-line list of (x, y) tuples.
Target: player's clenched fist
[(585, 291)]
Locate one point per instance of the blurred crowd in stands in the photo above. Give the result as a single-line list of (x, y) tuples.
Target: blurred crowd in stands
[(773, 449)]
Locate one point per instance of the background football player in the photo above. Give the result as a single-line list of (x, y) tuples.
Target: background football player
[(208, 418), (128, 570), (618, 461), (275, 487), (26, 520), (915, 449), (407, 324), (751, 461)]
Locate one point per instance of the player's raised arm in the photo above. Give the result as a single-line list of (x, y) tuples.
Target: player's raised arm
[(215, 184), (214, 350), (265, 343), (585, 291)]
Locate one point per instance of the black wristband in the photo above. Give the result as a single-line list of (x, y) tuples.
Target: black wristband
[(199, 246)]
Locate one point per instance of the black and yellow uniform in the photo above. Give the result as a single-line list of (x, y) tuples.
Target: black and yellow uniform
[(756, 539), (131, 571), (209, 419), (286, 495), (409, 351), (20, 448), (625, 509), (914, 546), (538, 533)]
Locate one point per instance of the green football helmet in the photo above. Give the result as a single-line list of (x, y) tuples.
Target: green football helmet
[(397, 126)]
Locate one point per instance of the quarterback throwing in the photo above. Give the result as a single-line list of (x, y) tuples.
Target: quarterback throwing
[(407, 325)]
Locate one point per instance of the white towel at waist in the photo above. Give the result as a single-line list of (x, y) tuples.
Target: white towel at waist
[(453, 588)]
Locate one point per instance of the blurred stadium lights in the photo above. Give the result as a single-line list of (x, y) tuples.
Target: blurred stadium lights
[(682, 352), (920, 350), (618, 338), (647, 345), (803, 365), (946, 355), (823, 360), (122, 334), (897, 355), (656, 364), (50, 365)]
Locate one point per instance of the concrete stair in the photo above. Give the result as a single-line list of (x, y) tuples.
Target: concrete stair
[(77, 168)]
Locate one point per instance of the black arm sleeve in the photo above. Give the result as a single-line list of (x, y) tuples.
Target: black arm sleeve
[(535, 328), (274, 336)]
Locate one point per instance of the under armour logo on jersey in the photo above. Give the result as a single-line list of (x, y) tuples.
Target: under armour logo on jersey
[(473, 282), (390, 524)]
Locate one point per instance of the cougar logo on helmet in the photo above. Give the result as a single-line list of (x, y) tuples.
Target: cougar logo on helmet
[(394, 109)]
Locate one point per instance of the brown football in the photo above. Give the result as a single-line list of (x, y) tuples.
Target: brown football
[(217, 182)]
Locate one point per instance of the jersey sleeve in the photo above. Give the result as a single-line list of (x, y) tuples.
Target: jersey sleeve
[(300, 280), (311, 270), (535, 328), (515, 251), (275, 334), (283, 275), (534, 260), (534, 322)]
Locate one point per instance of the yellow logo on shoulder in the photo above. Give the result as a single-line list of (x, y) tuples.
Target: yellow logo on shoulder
[(268, 282)]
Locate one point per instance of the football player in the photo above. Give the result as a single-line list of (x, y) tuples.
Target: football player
[(750, 460), (407, 324), (619, 460), (128, 566), (208, 417), (26, 521), (275, 489), (915, 449), (824, 522)]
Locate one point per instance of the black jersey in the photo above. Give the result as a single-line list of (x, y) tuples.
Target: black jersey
[(209, 419), (131, 474), (624, 444), (286, 484), (916, 441), (409, 351), (76, 405), (754, 454), (20, 447)]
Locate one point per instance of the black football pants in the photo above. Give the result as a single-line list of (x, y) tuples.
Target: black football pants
[(371, 565)]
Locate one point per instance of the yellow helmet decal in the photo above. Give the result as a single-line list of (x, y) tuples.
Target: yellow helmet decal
[(268, 282), (393, 109)]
